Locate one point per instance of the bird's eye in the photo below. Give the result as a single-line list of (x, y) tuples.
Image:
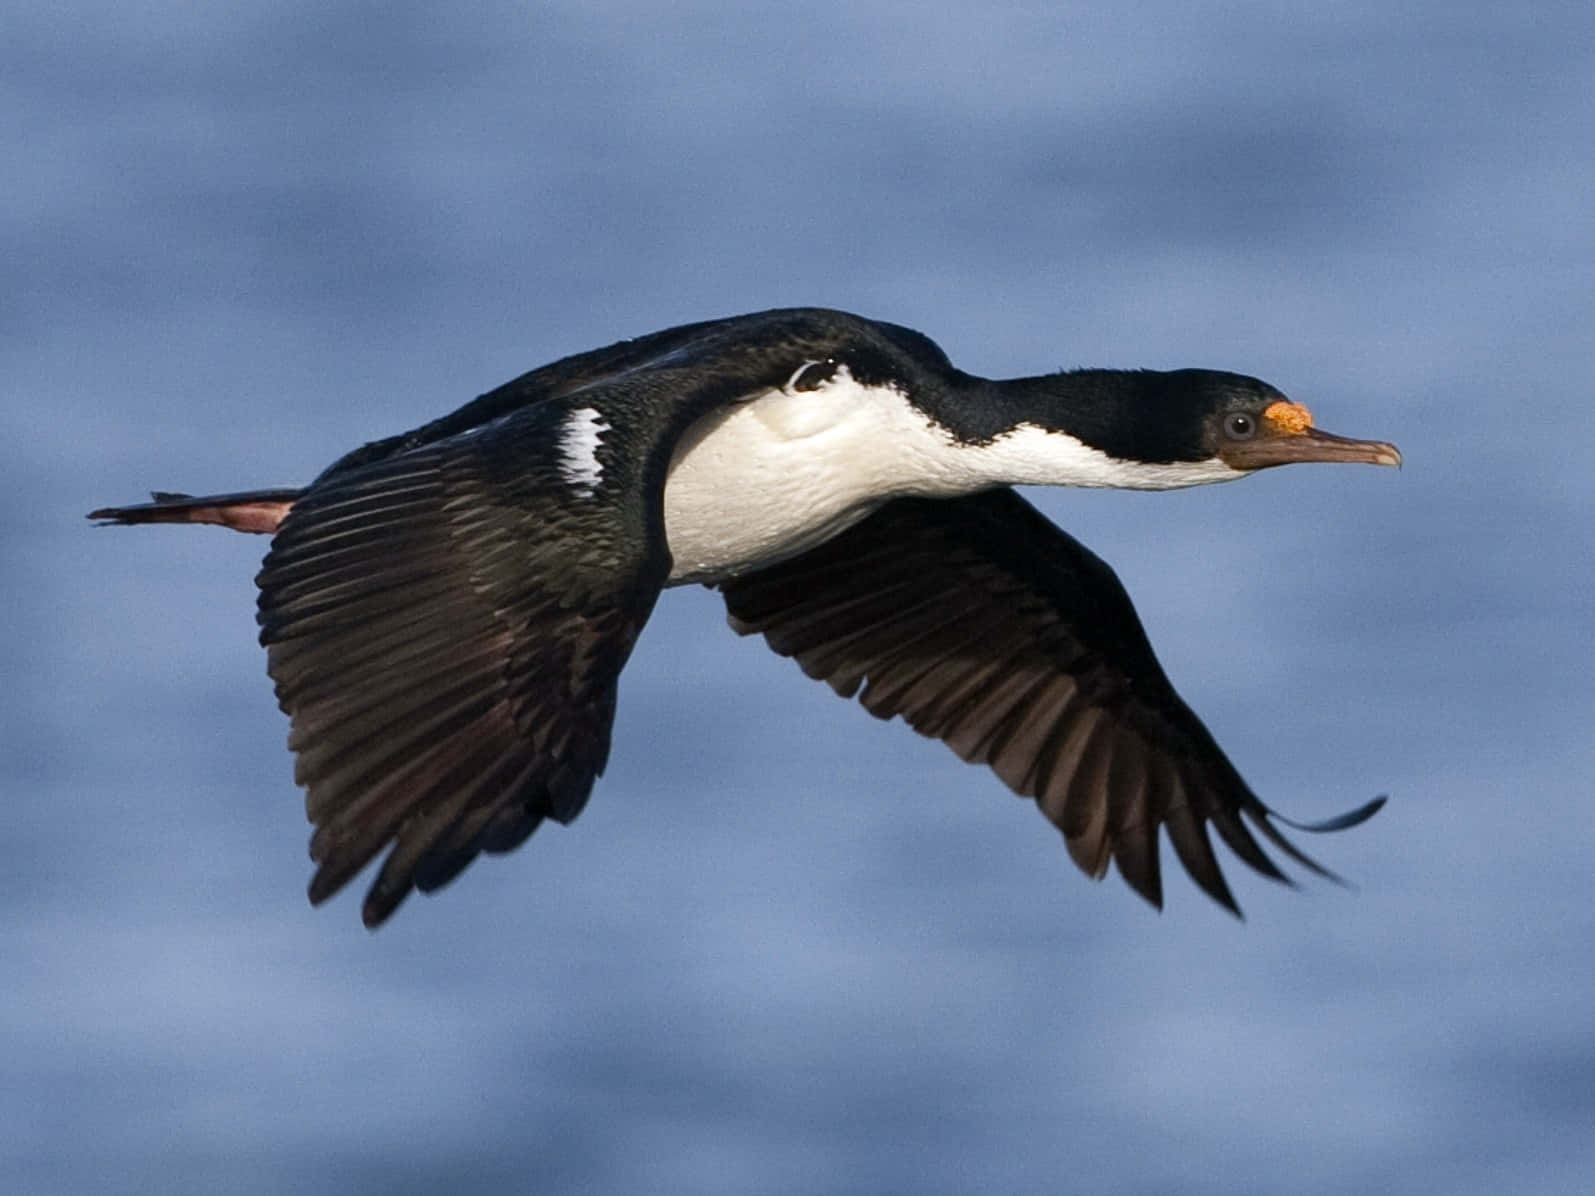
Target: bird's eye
[(1239, 426)]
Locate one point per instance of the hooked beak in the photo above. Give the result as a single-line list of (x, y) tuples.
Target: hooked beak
[(1308, 444)]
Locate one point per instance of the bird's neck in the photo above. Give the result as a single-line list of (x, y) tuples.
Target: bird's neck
[(1097, 428)]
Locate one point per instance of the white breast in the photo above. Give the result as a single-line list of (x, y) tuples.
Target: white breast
[(776, 475)]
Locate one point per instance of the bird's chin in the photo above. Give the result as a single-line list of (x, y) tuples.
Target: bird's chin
[(1309, 445)]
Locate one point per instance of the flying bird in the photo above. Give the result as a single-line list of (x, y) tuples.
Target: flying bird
[(446, 612)]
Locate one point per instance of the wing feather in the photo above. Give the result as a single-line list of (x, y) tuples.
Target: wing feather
[(446, 640), (985, 626)]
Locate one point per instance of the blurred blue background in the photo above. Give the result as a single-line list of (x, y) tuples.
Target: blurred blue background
[(789, 949)]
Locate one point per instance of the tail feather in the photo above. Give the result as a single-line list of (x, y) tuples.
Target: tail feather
[(246, 511)]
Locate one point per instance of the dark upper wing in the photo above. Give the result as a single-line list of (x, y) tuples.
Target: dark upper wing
[(984, 625), (446, 628)]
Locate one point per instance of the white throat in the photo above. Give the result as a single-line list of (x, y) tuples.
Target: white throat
[(785, 471)]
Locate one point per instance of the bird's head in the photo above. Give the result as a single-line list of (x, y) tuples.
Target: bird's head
[(1249, 425)]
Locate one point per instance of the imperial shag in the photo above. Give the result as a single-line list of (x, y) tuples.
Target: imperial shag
[(446, 613)]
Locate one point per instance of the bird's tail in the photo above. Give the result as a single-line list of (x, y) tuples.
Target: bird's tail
[(246, 511)]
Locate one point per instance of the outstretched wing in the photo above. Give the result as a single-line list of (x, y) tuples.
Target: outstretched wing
[(447, 612), (446, 628), (987, 627)]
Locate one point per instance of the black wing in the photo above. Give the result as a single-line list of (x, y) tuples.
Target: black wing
[(446, 628), (447, 613), (984, 625)]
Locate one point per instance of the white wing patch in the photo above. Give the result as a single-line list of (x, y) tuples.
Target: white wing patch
[(578, 446)]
